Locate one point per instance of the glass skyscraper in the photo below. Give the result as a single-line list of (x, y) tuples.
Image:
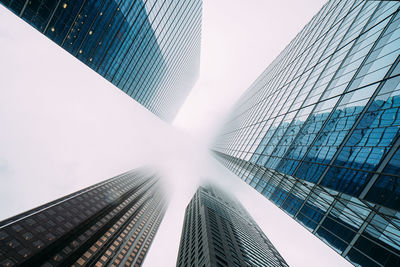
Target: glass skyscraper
[(111, 223), (218, 231), (318, 132), (148, 48)]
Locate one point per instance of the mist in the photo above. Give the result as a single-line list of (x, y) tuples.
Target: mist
[(64, 127)]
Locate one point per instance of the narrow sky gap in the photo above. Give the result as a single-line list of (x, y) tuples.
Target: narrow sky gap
[(65, 127)]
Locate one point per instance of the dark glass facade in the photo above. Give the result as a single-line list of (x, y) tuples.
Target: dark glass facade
[(148, 48), (108, 224), (318, 132), (218, 231)]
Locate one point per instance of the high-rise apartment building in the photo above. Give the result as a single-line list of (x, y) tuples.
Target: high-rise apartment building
[(318, 132), (148, 48), (218, 231), (111, 223)]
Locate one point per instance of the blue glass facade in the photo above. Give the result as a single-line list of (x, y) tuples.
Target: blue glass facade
[(318, 133), (149, 48)]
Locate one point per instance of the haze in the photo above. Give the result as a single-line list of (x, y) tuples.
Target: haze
[(64, 127)]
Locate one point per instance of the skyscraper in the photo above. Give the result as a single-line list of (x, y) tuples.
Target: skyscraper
[(111, 223), (218, 231), (318, 132), (148, 49)]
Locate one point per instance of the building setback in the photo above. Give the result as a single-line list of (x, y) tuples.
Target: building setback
[(149, 49), (318, 132), (218, 231), (111, 223)]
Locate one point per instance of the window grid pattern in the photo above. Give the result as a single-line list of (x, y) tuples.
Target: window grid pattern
[(218, 231), (324, 117), (100, 225), (149, 49)]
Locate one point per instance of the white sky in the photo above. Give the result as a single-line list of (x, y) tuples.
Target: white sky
[(63, 127), (239, 40)]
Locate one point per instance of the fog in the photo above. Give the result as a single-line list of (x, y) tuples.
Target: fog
[(64, 127)]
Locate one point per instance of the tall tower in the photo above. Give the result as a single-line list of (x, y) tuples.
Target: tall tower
[(318, 132), (218, 231), (148, 49), (111, 223)]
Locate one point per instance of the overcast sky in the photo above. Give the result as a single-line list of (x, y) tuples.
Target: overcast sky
[(239, 39), (63, 127)]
